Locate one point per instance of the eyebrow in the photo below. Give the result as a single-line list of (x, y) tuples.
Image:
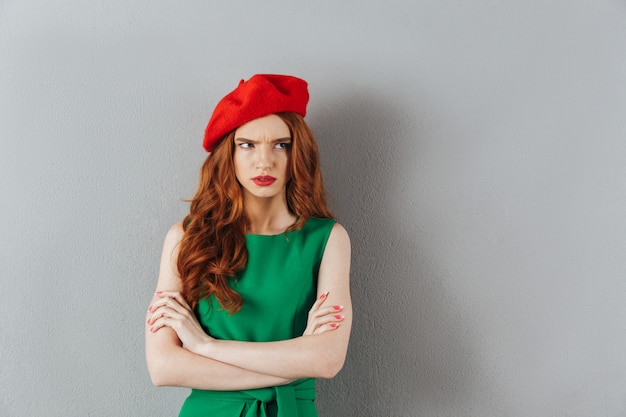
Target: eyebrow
[(287, 139)]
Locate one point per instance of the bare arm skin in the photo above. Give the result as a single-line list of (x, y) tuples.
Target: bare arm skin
[(170, 321), (317, 355), (171, 364)]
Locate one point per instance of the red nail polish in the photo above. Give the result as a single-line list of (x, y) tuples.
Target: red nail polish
[(151, 329), (158, 292), (339, 317), (323, 296), (337, 307), (150, 308), (148, 321), (334, 325)]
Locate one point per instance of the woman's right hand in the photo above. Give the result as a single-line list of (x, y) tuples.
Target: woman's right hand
[(322, 318), (171, 310)]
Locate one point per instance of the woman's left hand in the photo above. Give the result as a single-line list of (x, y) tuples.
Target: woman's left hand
[(323, 319), (171, 310)]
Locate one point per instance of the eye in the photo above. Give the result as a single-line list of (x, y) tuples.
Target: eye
[(283, 145), (246, 145)]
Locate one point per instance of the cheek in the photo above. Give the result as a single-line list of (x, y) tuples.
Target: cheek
[(286, 167), (239, 165), (240, 159)]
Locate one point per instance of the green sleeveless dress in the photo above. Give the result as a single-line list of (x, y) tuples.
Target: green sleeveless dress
[(278, 288)]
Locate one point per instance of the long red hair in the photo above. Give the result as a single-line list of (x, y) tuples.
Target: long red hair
[(213, 247)]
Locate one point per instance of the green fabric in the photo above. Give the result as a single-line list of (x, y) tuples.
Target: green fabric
[(278, 287)]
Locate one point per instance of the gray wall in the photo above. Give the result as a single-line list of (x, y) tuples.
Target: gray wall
[(474, 149)]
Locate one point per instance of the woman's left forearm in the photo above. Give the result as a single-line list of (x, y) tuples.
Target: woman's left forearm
[(315, 356), (311, 356)]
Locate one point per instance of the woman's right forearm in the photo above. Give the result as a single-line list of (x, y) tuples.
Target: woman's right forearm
[(172, 365)]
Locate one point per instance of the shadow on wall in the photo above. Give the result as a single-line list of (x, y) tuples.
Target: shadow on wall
[(410, 348)]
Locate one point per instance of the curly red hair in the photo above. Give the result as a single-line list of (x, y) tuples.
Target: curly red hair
[(213, 247)]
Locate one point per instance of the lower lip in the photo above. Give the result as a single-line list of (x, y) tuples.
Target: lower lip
[(264, 181)]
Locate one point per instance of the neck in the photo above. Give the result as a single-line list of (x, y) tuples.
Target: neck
[(267, 216)]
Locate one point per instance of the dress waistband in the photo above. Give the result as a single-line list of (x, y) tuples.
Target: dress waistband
[(286, 397)]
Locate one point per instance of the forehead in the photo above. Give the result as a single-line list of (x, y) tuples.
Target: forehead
[(266, 127)]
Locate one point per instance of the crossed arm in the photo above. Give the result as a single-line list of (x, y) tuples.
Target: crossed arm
[(179, 353)]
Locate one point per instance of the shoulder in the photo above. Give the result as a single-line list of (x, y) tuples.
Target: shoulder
[(339, 238), (172, 242), (175, 233), (326, 230), (316, 223), (335, 264), (328, 227), (168, 276)]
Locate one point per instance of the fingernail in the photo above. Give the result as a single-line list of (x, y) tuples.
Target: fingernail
[(337, 307), (323, 296), (334, 325), (148, 321), (151, 329), (158, 293), (339, 317), (150, 308)]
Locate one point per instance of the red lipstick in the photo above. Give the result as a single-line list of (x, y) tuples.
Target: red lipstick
[(264, 180)]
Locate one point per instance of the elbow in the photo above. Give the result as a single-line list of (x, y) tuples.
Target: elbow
[(329, 373), (159, 375), (331, 368), (160, 360), (327, 358), (158, 380)]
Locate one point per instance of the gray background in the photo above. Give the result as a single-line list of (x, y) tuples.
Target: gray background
[(475, 150)]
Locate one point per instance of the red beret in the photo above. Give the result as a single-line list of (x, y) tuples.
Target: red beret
[(261, 95)]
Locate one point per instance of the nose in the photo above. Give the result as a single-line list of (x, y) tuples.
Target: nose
[(265, 157)]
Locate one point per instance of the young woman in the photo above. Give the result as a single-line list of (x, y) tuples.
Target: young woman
[(252, 301)]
